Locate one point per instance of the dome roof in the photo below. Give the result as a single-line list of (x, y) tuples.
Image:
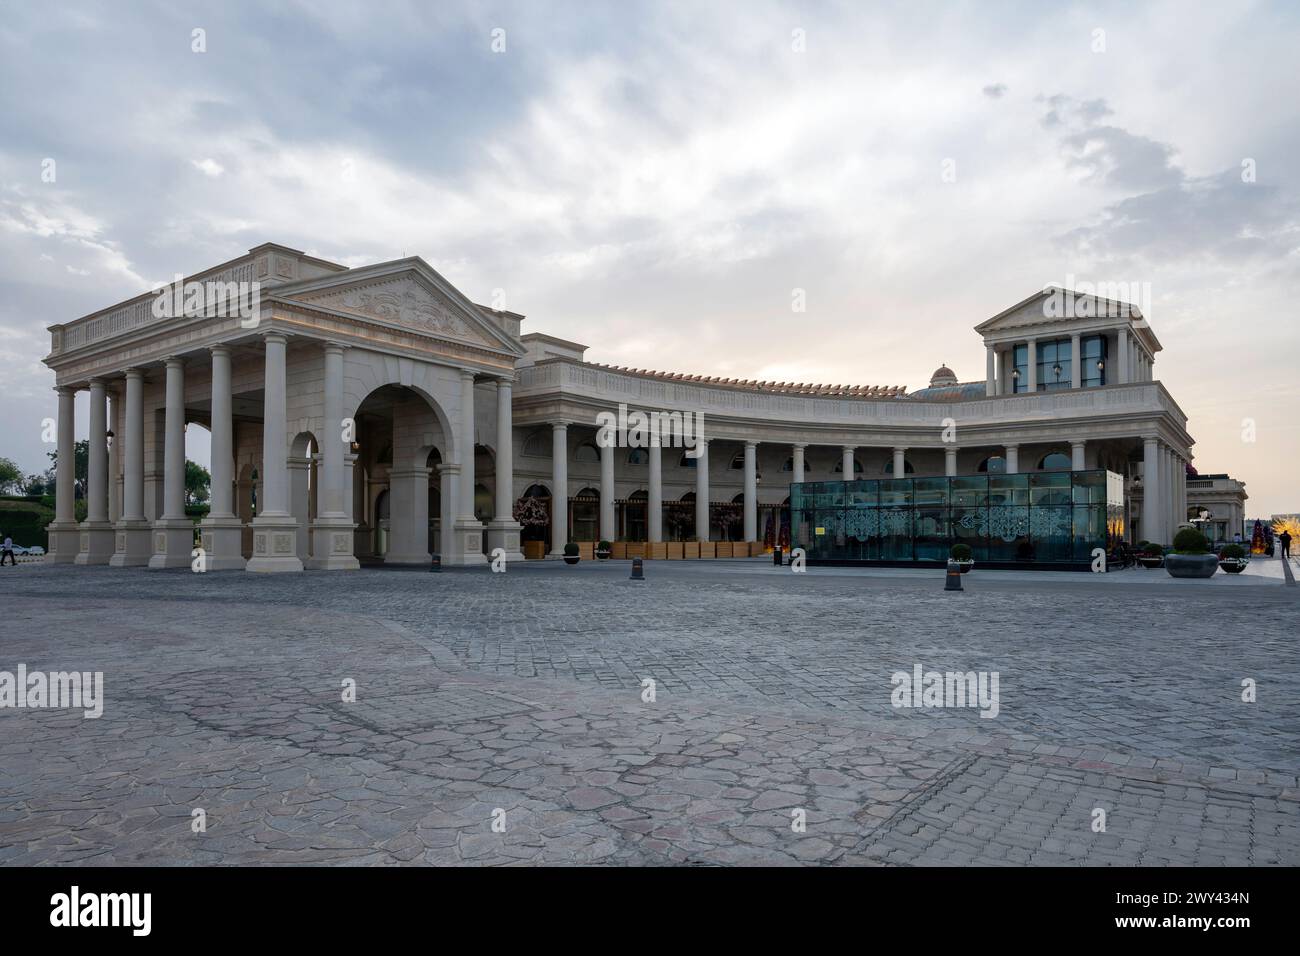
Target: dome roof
[(943, 375)]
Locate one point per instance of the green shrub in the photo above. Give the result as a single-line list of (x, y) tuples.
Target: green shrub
[(1142, 545), (1154, 550), (1190, 541), (1232, 551), (571, 550), (604, 546), (960, 552)]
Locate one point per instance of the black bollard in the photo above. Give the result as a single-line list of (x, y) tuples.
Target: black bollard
[(776, 556), (638, 573), (435, 562), (953, 581)]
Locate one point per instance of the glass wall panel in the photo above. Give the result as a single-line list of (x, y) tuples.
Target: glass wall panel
[(861, 520)]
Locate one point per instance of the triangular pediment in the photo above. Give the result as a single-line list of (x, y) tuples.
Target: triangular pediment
[(1056, 307), (408, 294)]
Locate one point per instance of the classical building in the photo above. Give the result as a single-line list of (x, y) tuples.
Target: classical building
[(1216, 504), (377, 413)]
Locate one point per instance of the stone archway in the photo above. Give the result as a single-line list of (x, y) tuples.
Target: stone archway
[(303, 452), (404, 447)]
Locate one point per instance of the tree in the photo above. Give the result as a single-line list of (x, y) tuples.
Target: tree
[(197, 483), (40, 484), (11, 477), (81, 466)]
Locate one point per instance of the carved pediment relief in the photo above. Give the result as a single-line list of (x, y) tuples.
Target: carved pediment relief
[(402, 301)]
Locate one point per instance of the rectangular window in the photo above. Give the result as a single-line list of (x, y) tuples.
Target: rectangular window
[(1020, 368), (1093, 349), (1054, 365)]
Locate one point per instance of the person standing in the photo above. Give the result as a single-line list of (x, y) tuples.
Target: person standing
[(1284, 537), (7, 551)]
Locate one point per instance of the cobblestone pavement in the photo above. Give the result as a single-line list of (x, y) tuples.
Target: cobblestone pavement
[(516, 698)]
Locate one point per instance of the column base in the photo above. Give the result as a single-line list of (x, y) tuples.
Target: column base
[(223, 543), (275, 545), (134, 544), (332, 550), (65, 542), (467, 542), (173, 542), (504, 534), (97, 542)]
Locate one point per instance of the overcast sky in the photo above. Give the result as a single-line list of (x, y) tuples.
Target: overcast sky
[(654, 180)]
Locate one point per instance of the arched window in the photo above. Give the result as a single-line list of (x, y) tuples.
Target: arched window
[(993, 465), (689, 496), (638, 456), (687, 461), (738, 499), (789, 465), (537, 445), (738, 462), (907, 467), (1055, 461), (587, 451), (588, 493), (537, 491), (839, 465), (638, 496)]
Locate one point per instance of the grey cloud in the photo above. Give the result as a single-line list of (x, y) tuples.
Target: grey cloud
[(995, 91)]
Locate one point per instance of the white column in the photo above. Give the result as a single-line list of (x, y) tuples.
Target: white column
[(751, 491), (1032, 370), (503, 530), (702, 491), (115, 458), (173, 531), (950, 460), (222, 530), (900, 462), (133, 447), (63, 534), (1123, 357), (505, 469), (990, 371), (846, 462), (607, 490), (275, 532), (655, 496), (448, 485), (1077, 455), (798, 464), (97, 455), (559, 488), (134, 544), (1012, 456), (469, 530), (1152, 527), (97, 539), (1076, 362), (64, 537), (332, 444)]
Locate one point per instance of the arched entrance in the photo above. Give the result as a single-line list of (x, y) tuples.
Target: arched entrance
[(402, 444)]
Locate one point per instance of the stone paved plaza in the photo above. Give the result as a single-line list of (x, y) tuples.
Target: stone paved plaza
[(479, 693)]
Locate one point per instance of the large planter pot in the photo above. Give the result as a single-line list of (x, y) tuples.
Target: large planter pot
[(603, 555), (1233, 565), (571, 559), (1150, 562), (1191, 565)]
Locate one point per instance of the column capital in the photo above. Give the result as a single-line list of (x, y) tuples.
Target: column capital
[(221, 348), (751, 444), (468, 374), (98, 382), (901, 447), (448, 468), (799, 444), (337, 348), (66, 389), (174, 361), (559, 426), (272, 335), (849, 448), (134, 372), (1012, 446)]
